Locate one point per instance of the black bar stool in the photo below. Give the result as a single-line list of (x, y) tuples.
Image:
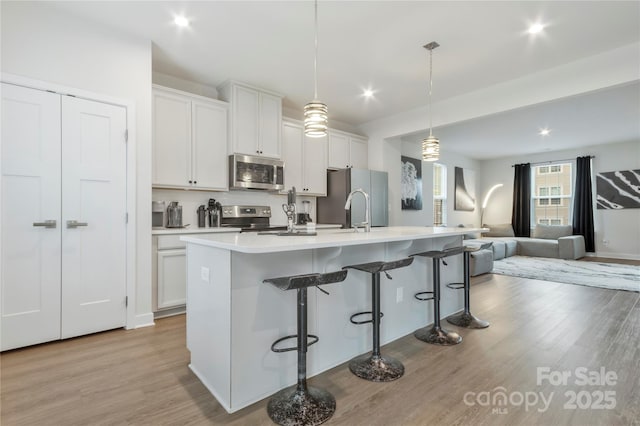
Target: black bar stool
[(301, 404), (375, 367), (436, 334), (465, 318)]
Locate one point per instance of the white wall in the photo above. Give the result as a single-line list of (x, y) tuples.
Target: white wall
[(620, 228), (39, 42), (424, 217)]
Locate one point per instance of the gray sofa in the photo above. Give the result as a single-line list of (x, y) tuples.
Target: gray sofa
[(546, 241)]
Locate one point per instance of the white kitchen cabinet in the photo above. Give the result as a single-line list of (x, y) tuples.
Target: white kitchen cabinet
[(255, 119), (64, 210), (347, 150), (169, 273), (189, 141), (305, 160)]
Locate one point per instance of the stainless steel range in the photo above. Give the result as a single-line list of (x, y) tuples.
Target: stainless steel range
[(249, 218)]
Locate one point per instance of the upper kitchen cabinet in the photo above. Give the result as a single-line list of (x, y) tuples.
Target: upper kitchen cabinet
[(347, 150), (305, 160), (189, 141), (255, 120)]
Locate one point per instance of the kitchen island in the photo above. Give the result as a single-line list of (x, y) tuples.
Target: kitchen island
[(233, 317)]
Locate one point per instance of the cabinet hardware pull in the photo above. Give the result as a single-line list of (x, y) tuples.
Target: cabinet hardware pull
[(75, 224), (46, 224)]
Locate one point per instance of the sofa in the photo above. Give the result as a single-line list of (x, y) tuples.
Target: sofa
[(554, 241)]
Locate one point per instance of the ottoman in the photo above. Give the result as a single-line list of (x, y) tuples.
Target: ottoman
[(481, 262)]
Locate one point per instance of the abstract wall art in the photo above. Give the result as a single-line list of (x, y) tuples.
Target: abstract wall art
[(465, 193), (618, 190), (411, 183)]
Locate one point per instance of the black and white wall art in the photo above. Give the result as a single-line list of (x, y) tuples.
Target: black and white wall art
[(618, 190), (465, 194), (411, 183)]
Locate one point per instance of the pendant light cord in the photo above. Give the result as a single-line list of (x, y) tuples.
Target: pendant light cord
[(430, 90), (315, 62)]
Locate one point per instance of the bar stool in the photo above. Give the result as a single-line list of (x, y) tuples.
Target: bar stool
[(301, 404), (436, 334), (465, 318), (375, 367)]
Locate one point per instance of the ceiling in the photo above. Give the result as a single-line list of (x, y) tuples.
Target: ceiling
[(366, 44), (602, 116)]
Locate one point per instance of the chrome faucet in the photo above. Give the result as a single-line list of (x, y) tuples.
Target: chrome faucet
[(367, 202)]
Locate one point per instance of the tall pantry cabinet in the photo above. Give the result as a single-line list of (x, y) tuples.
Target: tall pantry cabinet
[(63, 216)]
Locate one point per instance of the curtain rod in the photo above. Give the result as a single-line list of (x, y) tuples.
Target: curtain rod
[(553, 161)]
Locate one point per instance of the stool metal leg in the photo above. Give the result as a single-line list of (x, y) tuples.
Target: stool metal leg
[(375, 367), (436, 334), (301, 404), (465, 318)]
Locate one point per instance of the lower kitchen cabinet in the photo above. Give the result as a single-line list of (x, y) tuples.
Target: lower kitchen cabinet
[(169, 272)]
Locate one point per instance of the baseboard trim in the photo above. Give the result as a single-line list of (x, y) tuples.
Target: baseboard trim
[(144, 320), (625, 256)]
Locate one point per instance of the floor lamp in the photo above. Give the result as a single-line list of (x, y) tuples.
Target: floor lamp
[(486, 200)]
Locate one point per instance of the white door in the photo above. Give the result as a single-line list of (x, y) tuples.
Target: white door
[(171, 139), (93, 216), (359, 153), (338, 151), (209, 123), (270, 125), (315, 166), (292, 155), (30, 197), (172, 278), (245, 121)]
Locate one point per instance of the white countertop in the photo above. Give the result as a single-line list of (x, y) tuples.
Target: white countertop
[(319, 226), (254, 243), (174, 231)]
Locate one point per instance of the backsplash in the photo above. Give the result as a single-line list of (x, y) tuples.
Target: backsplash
[(191, 200)]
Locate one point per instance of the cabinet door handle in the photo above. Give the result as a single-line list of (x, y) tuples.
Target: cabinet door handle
[(46, 224), (195, 181), (75, 224)]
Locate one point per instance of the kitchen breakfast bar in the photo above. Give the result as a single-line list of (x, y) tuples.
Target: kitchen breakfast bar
[(233, 317)]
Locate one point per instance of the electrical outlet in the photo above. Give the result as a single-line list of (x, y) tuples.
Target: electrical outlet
[(605, 242), (204, 274), (399, 294)]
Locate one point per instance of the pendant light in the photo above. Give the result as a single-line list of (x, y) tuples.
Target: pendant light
[(315, 112), (430, 145)]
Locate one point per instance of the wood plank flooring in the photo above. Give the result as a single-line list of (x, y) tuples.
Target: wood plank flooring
[(140, 377)]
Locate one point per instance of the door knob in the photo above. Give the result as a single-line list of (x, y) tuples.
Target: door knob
[(46, 224), (75, 224)]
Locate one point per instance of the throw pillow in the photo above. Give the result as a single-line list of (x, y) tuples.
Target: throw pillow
[(552, 232), (502, 230)]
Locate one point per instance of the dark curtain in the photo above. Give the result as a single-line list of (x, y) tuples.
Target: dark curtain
[(521, 212), (583, 204)]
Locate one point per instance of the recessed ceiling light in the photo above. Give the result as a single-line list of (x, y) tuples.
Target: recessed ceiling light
[(367, 93), (535, 28), (544, 132), (181, 21)]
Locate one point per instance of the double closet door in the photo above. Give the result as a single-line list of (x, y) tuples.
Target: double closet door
[(63, 216)]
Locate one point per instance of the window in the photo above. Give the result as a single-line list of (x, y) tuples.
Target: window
[(551, 194), (439, 194), (555, 168)]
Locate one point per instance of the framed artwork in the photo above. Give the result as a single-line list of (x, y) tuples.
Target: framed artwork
[(464, 194), (411, 183), (618, 190)]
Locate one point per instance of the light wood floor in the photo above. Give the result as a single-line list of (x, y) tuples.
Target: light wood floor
[(140, 377)]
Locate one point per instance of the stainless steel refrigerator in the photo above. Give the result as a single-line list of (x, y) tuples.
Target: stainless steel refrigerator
[(340, 183)]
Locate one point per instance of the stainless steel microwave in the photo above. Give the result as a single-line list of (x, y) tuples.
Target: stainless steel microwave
[(250, 172)]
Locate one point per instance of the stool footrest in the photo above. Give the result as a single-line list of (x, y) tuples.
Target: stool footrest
[(456, 286), (292, 348), (422, 293), (363, 313)]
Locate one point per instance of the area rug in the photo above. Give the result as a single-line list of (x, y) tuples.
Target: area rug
[(593, 274)]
